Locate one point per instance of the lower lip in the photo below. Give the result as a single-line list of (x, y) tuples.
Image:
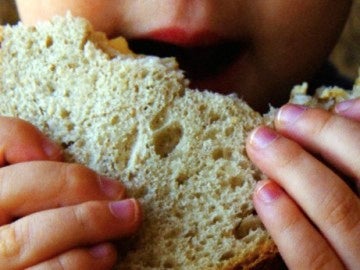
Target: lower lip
[(181, 37)]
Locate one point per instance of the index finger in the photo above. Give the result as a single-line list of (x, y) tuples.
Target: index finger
[(323, 196), (335, 138), (43, 235), (55, 184)]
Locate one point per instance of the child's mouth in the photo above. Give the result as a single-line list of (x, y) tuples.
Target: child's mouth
[(199, 62)]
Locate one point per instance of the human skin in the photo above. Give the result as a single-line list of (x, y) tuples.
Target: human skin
[(282, 42), (312, 215)]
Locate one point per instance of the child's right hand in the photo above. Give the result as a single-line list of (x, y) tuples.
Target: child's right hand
[(56, 215)]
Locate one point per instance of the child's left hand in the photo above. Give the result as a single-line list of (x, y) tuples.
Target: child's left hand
[(309, 210)]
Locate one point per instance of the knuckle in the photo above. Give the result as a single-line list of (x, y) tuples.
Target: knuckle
[(320, 128), (10, 242), (3, 184), (340, 215), (290, 226), (319, 260), (87, 217), (290, 156), (59, 264), (17, 125), (77, 176)]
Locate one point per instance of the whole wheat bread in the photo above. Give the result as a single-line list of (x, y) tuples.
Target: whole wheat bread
[(180, 151)]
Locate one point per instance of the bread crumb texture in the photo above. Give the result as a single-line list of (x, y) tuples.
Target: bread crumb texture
[(181, 152)]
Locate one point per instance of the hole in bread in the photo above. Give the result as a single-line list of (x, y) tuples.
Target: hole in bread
[(67, 144), (236, 181), (229, 131), (216, 219), (49, 41), (248, 224), (181, 179), (140, 192), (70, 127), (211, 134), (172, 233), (52, 67), (114, 120), (246, 209), (72, 65), (202, 107), (190, 255), (213, 117), (64, 113), (227, 255), (178, 214), (167, 139), (190, 233), (222, 153), (169, 264)]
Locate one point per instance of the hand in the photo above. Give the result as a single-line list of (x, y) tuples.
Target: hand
[(309, 210), (56, 215)]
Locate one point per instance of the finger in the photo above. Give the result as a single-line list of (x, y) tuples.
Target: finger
[(5, 218), (335, 138), (20, 141), (349, 108), (300, 244), (43, 235), (322, 195), (99, 257), (55, 184)]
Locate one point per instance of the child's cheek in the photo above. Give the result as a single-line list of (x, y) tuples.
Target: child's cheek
[(100, 13)]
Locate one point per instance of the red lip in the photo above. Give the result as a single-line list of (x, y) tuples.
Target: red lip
[(182, 37)]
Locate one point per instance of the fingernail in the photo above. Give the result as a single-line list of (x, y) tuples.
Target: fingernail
[(289, 113), (124, 210), (344, 105), (112, 188), (268, 191), (51, 149), (101, 250), (263, 137)]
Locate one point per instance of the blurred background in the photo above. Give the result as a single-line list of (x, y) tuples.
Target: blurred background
[(346, 55)]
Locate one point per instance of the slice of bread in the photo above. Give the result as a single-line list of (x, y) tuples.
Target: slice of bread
[(181, 152)]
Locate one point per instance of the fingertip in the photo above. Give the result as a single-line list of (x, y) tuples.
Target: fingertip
[(104, 251), (349, 108), (262, 137), (112, 188), (52, 150), (344, 106), (289, 114), (21, 141), (129, 212), (267, 191), (104, 254)]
